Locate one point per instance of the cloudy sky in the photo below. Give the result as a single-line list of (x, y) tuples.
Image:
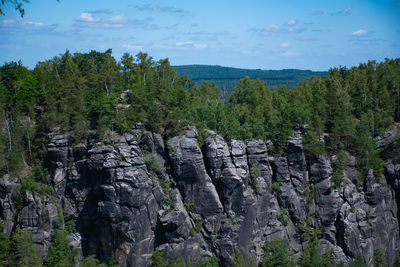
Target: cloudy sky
[(265, 34)]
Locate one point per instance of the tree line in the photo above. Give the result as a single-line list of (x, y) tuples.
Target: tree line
[(80, 93)]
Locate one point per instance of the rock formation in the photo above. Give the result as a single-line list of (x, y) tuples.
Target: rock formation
[(138, 193)]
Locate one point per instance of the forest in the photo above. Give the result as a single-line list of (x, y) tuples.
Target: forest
[(227, 78), (93, 93)]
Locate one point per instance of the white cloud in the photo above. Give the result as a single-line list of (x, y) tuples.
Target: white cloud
[(291, 22), (100, 11), (24, 24), (285, 45), (289, 54), (164, 9), (200, 46), (132, 47), (85, 17), (359, 33), (118, 19), (191, 44), (184, 43), (87, 20), (345, 11), (35, 24), (272, 28), (275, 28)]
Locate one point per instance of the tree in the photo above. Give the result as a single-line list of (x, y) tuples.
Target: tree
[(397, 262), (91, 261), (22, 251), (238, 260), (4, 247), (60, 253), (358, 261), (276, 254), (378, 258), (18, 5), (157, 259)]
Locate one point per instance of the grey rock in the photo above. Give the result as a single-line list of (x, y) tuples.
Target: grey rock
[(219, 207), (192, 178), (297, 162), (320, 169), (101, 150), (125, 94), (388, 136), (8, 190)]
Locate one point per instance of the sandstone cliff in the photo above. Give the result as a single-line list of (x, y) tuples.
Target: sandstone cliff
[(138, 193)]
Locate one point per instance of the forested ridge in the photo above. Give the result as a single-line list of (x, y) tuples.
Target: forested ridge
[(81, 92), (87, 94), (226, 78)]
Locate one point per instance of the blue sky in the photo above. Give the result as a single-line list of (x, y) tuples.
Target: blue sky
[(264, 34)]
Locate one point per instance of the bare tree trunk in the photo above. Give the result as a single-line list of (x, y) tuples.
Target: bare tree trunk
[(9, 130), (106, 87)]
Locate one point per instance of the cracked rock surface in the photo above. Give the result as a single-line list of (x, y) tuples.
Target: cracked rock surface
[(139, 192)]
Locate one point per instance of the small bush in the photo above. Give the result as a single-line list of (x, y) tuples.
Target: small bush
[(152, 165), (254, 174), (166, 187), (284, 217)]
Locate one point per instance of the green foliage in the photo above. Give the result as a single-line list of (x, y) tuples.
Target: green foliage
[(311, 257), (358, 261), (365, 149), (192, 231), (189, 204), (338, 165), (166, 187), (4, 246), (378, 258), (157, 259), (276, 186), (196, 229), (60, 254), (238, 260), (276, 254), (254, 174), (75, 93), (91, 261), (312, 144), (22, 250), (226, 78), (397, 262), (152, 164), (284, 216), (211, 262)]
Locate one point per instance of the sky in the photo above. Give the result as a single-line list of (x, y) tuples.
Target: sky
[(255, 34)]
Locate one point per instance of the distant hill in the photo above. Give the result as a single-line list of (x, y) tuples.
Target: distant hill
[(226, 77)]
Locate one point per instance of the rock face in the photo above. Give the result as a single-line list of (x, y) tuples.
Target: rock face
[(139, 193)]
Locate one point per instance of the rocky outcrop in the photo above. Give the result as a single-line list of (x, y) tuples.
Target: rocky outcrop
[(8, 210), (138, 193)]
